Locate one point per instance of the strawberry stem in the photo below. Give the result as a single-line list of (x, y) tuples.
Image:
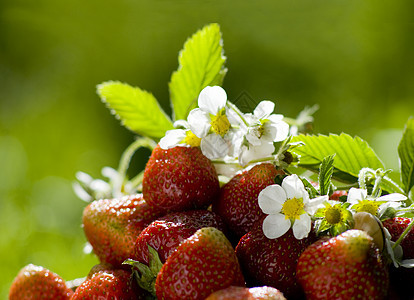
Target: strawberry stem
[(127, 156), (402, 236), (238, 112)]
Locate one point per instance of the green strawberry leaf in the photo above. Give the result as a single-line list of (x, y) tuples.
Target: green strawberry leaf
[(351, 154), (313, 193), (137, 109), (325, 174), (201, 63), (406, 154)]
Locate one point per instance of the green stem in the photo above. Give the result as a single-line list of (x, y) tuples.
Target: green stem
[(389, 183), (402, 236), (290, 121), (130, 151), (376, 190), (238, 112), (346, 187), (222, 162), (137, 180), (363, 177)]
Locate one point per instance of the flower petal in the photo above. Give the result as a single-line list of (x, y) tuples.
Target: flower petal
[(252, 136), (355, 195), (314, 204), (302, 227), (214, 146), (264, 109), (271, 199), (294, 188), (228, 170), (282, 131), (173, 138), (212, 99), (275, 226), (392, 197), (199, 122), (181, 123), (248, 154), (275, 118)]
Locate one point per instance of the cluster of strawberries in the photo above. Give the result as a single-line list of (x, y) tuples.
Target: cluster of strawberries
[(186, 237)]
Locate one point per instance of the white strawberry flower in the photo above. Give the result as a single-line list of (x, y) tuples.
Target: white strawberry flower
[(360, 201), (264, 126), (179, 137), (210, 122), (261, 128), (288, 206)]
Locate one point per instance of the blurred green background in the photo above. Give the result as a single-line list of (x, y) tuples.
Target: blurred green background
[(353, 58)]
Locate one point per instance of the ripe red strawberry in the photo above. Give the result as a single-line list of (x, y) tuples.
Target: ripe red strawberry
[(348, 266), (396, 227), (201, 265), (180, 178), (243, 293), (166, 233), (109, 283), (112, 226), (237, 204), (338, 194), (401, 278), (272, 262), (35, 282)]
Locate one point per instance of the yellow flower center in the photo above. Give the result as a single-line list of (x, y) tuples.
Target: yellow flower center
[(219, 123), (191, 139), (333, 215), (368, 206), (293, 208), (259, 130)]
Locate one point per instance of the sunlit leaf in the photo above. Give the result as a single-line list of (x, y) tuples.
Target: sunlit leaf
[(201, 63)]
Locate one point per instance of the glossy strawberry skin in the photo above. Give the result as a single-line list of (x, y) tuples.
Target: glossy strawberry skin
[(35, 282), (112, 226), (180, 178), (338, 194), (396, 227), (201, 265), (243, 293), (109, 283), (401, 278), (166, 233), (348, 266), (272, 262), (238, 204)]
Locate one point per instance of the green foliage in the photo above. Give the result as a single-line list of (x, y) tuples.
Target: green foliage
[(406, 154), (313, 193), (352, 154), (138, 110), (201, 63), (325, 174)]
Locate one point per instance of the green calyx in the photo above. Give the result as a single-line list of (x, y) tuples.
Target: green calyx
[(146, 275)]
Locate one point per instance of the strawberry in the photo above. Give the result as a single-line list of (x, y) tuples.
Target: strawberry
[(401, 278), (180, 178), (338, 195), (243, 293), (347, 266), (109, 283), (272, 262), (112, 226), (201, 265), (396, 227), (237, 204), (36, 282), (166, 233)]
